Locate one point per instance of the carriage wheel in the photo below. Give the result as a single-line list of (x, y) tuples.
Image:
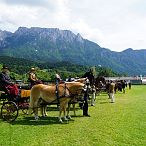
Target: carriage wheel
[(9, 111)]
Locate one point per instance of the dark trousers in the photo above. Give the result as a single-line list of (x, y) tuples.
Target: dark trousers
[(81, 105), (85, 108)]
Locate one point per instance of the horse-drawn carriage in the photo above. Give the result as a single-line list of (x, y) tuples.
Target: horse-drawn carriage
[(67, 94), (10, 107)]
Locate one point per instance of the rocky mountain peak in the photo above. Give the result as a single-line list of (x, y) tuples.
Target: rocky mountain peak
[(79, 38), (52, 34), (21, 30), (4, 34), (128, 50)]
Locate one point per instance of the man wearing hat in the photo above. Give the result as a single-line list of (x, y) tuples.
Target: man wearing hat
[(6, 83), (32, 78), (86, 97)]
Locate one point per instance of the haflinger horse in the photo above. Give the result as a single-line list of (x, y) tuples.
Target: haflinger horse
[(76, 94), (47, 94)]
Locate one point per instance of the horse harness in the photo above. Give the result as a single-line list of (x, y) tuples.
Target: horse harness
[(57, 92), (70, 95)]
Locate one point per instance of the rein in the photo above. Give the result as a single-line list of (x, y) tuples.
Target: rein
[(57, 99), (70, 95), (73, 96), (64, 95)]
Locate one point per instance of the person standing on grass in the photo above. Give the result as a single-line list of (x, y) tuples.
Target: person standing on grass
[(129, 84), (123, 86), (93, 95), (86, 97), (112, 91)]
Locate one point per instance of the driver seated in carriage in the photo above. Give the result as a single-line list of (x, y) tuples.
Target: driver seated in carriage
[(33, 78), (7, 85)]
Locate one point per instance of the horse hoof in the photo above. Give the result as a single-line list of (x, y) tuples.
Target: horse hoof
[(66, 119), (36, 119), (69, 117), (61, 122), (43, 116)]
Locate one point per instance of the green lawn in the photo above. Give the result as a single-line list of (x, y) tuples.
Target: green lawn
[(122, 123)]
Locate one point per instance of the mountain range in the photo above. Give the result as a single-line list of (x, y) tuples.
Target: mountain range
[(54, 45)]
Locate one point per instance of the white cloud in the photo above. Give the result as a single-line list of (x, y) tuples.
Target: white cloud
[(32, 3), (113, 24), (93, 34)]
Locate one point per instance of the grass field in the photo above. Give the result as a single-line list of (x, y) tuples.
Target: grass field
[(122, 123)]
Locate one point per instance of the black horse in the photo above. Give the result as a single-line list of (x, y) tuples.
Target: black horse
[(90, 76)]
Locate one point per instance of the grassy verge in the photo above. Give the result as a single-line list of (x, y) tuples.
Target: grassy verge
[(122, 123)]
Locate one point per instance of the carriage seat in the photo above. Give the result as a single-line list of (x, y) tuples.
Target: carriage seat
[(25, 93)]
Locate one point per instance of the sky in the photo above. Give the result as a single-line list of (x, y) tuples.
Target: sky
[(113, 24)]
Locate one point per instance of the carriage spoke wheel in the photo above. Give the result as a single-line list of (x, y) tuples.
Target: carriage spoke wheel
[(9, 111)]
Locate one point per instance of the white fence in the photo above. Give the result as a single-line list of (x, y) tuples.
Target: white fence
[(133, 80)]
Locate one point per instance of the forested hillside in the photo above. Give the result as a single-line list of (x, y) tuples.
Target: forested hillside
[(46, 71)]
